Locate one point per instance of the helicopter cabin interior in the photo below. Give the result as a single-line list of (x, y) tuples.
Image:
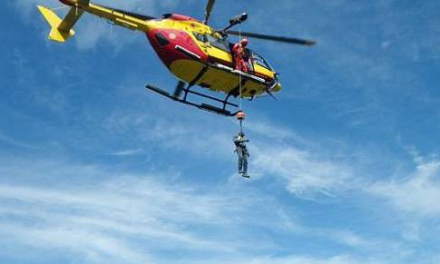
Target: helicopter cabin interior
[(220, 50)]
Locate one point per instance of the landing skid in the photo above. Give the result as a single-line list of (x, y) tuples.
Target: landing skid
[(206, 107)]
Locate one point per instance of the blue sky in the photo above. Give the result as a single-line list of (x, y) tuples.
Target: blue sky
[(345, 164)]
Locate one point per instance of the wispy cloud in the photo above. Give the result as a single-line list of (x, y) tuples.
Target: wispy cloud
[(181, 131), (416, 194), (340, 259), (305, 172), (127, 152), (272, 131), (126, 218), (16, 143)]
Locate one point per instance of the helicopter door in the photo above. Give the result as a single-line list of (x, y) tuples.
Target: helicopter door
[(248, 59), (201, 41), (218, 50)]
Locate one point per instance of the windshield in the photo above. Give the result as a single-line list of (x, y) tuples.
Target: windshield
[(261, 61), (213, 41), (218, 43)]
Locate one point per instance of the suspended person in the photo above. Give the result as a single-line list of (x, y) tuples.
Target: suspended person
[(243, 154), (239, 52)]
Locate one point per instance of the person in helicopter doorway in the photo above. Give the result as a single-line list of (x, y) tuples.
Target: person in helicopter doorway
[(243, 154), (239, 52)]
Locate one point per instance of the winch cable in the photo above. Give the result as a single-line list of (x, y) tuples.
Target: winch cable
[(240, 84)]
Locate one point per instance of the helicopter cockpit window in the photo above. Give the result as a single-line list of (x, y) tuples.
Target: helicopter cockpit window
[(218, 43), (213, 41), (200, 37), (260, 61)]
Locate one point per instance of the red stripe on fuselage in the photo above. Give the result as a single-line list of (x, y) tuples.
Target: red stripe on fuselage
[(168, 53)]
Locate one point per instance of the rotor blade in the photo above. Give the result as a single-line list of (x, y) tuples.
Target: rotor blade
[(179, 89), (133, 14), (209, 8), (273, 38)]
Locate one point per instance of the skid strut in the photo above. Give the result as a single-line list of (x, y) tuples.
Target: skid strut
[(207, 107)]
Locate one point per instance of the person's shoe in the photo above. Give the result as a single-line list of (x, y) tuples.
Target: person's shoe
[(246, 175), (240, 171)]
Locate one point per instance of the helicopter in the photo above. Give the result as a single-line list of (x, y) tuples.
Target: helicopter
[(193, 51)]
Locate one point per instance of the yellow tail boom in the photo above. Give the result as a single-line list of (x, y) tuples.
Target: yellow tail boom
[(61, 28)]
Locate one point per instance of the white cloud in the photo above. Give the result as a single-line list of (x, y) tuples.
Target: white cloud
[(127, 152), (124, 219), (16, 143), (341, 259), (101, 216), (349, 238), (312, 260), (276, 132), (417, 194), (306, 173), (92, 246), (181, 131), (276, 151), (101, 221)]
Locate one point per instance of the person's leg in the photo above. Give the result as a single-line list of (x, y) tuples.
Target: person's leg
[(237, 63), (240, 160), (245, 165), (244, 67)]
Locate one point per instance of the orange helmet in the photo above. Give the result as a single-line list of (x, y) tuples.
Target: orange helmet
[(240, 115), (244, 42)]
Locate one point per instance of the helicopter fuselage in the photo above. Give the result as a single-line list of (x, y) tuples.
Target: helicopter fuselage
[(194, 52)]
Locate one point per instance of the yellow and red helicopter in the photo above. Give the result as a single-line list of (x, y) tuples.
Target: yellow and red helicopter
[(197, 54)]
